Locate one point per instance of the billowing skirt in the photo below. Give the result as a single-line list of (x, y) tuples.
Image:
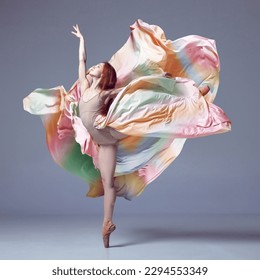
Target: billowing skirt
[(156, 112)]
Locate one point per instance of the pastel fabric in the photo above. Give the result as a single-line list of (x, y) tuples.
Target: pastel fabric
[(157, 112)]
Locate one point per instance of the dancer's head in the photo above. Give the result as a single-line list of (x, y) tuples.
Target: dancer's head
[(106, 74), (96, 71), (108, 77)]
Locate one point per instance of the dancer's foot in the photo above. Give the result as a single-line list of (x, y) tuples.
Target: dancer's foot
[(204, 90), (108, 228)]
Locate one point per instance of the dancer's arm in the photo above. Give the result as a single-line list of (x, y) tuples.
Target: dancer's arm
[(82, 59), (111, 93), (108, 97), (115, 91)]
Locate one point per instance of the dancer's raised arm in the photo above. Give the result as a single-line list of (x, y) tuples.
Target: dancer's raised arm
[(82, 59)]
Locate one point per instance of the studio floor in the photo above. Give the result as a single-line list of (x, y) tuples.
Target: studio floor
[(183, 237)]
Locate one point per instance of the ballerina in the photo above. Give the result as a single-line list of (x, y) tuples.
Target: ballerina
[(124, 121)]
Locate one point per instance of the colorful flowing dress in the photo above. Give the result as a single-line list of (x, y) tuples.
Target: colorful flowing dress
[(156, 112)]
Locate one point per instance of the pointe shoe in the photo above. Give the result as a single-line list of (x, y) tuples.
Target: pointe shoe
[(108, 228)]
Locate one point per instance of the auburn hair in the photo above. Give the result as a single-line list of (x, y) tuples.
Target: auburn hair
[(108, 79)]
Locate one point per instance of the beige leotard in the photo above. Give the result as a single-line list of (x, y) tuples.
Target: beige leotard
[(90, 105)]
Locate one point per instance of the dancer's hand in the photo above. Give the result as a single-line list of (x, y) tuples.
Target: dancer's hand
[(77, 31), (82, 58)]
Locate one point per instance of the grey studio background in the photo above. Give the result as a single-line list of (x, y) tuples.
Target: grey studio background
[(204, 206)]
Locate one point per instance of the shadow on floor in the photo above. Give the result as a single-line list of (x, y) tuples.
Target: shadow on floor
[(155, 234)]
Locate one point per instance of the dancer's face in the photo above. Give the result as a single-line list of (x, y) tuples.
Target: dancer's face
[(96, 71)]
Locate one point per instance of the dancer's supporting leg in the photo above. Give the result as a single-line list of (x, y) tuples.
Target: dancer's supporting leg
[(107, 164)]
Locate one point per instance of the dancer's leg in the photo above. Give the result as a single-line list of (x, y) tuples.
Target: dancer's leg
[(107, 164)]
